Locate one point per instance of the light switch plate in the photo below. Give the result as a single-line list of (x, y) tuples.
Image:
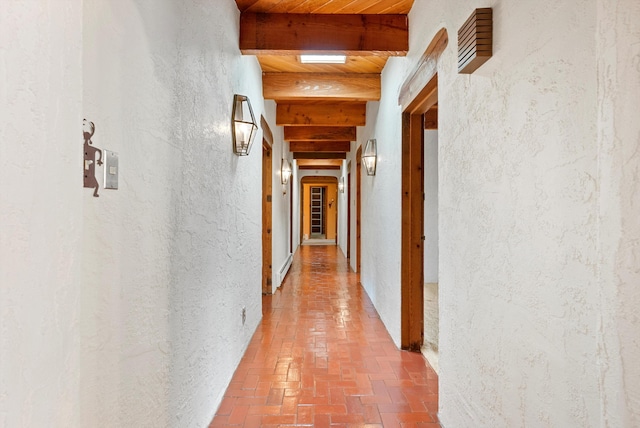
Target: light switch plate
[(111, 169)]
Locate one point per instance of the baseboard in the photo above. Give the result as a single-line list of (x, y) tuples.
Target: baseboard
[(284, 269)]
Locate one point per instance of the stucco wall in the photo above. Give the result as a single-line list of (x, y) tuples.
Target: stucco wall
[(381, 201), (40, 212), (173, 256), (618, 320), (537, 326), (125, 310)]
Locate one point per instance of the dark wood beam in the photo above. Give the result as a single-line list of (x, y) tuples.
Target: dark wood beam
[(320, 133), (313, 86), (320, 146), (342, 114), (309, 155), (292, 34), (318, 179), (319, 167)]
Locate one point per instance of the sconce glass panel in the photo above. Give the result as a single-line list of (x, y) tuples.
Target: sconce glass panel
[(370, 156), (285, 171), (341, 185), (244, 127)]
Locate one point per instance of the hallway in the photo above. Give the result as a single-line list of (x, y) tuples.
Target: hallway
[(322, 357)]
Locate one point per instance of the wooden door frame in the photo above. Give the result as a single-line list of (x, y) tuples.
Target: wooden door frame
[(349, 210), (267, 208), (418, 94), (358, 209)]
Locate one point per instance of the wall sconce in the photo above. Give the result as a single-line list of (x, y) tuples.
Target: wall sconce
[(341, 185), (370, 156), (285, 171), (244, 125)]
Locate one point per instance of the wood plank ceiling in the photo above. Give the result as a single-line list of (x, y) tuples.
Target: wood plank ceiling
[(320, 105)]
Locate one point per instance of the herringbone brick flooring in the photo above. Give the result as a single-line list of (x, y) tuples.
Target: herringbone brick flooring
[(321, 357)]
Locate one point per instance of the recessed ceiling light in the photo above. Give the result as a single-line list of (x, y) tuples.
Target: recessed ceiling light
[(323, 59)]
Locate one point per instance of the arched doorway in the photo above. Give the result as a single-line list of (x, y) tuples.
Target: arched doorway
[(319, 210)]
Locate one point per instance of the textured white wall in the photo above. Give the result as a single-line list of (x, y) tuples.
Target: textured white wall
[(40, 212), (280, 201), (538, 318), (124, 310), (517, 243), (174, 255), (618, 321), (381, 200)]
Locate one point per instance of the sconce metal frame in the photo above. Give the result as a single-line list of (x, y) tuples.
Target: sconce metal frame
[(243, 131), (341, 185), (285, 171), (370, 156)]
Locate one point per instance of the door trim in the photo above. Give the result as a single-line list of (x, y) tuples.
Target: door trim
[(349, 210), (358, 209), (267, 208), (419, 93)]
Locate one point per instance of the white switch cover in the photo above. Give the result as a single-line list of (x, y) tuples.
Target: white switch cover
[(111, 169)]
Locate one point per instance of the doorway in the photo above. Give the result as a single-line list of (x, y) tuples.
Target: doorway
[(267, 215), (358, 208), (430, 344), (318, 210), (419, 106), (349, 212)]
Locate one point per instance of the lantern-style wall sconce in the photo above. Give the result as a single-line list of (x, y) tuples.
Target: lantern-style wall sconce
[(341, 185), (370, 156), (285, 171), (244, 125)]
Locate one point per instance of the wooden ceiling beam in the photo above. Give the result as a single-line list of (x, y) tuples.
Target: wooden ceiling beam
[(319, 146), (315, 162), (292, 34), (343, 114), (309, 155), (320, 133), (314, 86), (307, 167)]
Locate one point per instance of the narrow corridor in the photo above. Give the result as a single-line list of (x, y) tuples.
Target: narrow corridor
[(322, 357)]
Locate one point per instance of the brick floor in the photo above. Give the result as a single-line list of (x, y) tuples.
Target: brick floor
[(321, 357)]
